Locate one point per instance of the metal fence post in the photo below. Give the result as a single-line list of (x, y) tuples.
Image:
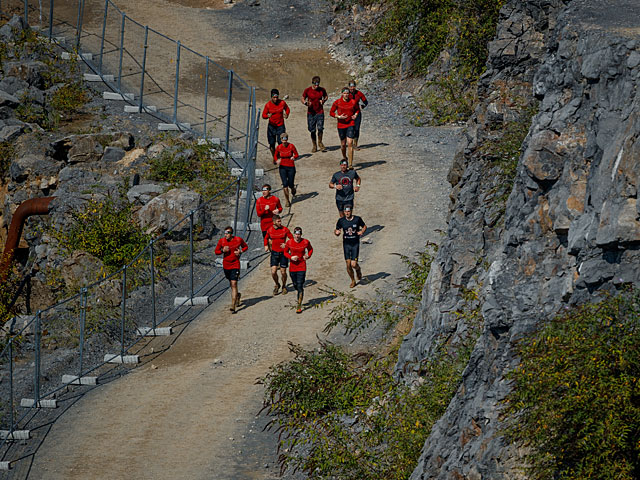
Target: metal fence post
[(26, 12), (191, 254), (144, 65), (175, 95), (206, 93), (50, 19), (83, 319), (79, 25), (229, 98), (246, 139), (235, 217), (11, 384), (249, 166), (124, 307), (153, 285), (104, 29), (36, 339), (124, 17)]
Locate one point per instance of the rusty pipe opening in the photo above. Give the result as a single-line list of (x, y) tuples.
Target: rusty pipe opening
[(33, 206)]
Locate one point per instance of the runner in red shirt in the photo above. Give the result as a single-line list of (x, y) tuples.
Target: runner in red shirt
[(231, 247), (358, 96), (284, 157), (266, 207), (275, 239), (345, 110), (314, 97), (298, 251), (276, 111)]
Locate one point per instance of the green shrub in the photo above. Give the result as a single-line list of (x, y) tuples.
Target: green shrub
[(345, 416), (69, 98), (106, 230), (576, 396), (7, 152), (198, 169)]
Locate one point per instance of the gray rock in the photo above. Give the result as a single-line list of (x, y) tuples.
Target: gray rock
[(8, 100), (143, 194), (10, 132), (167, 209), (113, 154), (85, 149)]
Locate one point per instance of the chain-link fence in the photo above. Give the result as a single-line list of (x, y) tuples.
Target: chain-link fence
[(109, 321)]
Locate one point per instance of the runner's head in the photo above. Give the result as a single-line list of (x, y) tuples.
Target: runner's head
[(297, 234), (277, 221), (266, 190), (315, 82), (344, 165), (347, 211), (285, 138), (345, 93), (275, 94), (352, 86), (228, 231)]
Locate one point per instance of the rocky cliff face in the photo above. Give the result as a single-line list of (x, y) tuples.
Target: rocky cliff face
[(569, 229)]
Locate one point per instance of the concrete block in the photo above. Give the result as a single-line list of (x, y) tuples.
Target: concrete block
[(75, 380), (244, 264), (239, 227), (117, 96), (60, 39), (5, 466), (91, 77), (48, 403), (174, 126), (136, 108), (158, 332), (15, 435), (114, 358), (190, 302), (243, 195), (237, 172)]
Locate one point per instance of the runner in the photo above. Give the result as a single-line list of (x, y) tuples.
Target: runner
[(345, 110), (231, 247), (275, 240), (284, 157), (266, 207), (298, 251), (345, 182), (358, 96), (276, 111), (353, 228), (314, 97)]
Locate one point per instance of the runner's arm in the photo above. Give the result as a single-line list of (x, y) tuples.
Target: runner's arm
[(309, 250), (365, 102), (259, 208), (243, 245), (295, 152), (287, 251), (219, 247), (287, 110), (265, 111), (278, 206), (334, 107)]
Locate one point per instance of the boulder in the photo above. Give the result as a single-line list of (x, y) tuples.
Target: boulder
[(165, 210), (113, 154), (83, 269), (85, 149), (8, 100), (143, 194)]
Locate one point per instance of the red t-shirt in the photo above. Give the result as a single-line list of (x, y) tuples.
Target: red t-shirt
[(358, 96), (314, 106), (276, 109), (266, 216), (286, 155), (297, 249), (278, 236), (230, 259), (348, 108)]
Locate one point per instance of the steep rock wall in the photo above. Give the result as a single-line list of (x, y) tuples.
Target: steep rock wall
[(570, 227)]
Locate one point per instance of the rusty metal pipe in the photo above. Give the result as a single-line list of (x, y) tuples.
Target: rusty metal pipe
[(33, 206)]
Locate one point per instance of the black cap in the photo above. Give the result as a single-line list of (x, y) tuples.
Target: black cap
[(274, 91), (344, 162)]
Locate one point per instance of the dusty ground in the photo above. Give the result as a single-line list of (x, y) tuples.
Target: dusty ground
[(191, 413)]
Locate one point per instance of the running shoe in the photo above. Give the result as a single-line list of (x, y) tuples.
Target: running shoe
[(276, 290), (238, 300), (299, 310), (353, 284), (284, 290), (293, 191), (232, 308)]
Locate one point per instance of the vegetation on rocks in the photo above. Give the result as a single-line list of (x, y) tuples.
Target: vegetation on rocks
[(7, 151), (193, 165), (345, 416), (577, 389)]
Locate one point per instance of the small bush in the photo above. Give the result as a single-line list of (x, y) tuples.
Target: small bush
[(69, 98), (576, 396), (106, 230), (192, 165), (7, 152)]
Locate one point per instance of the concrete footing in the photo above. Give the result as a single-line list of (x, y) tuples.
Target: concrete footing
[(92, 77), (15, 435), (154, 332), (115, 358), (42, 403), (117, 96), (136, 109), (75, 380), (244, 264), (190, 302)]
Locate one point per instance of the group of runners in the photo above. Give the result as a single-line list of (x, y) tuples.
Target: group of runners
[(291, 250)]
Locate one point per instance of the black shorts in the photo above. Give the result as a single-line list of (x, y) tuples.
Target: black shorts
[(349, 132), (232, 273), (297, 278), (287, 175), (343, 203), (279, 260), (356, 127), (273, 134), (315, 122), (351, 250)]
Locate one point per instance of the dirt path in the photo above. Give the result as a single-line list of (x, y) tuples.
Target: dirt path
[(191, 413)]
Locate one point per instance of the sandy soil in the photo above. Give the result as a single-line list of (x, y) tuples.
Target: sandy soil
[(191, 413)]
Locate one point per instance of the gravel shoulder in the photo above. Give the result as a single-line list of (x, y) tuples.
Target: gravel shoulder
[(191, 412)]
